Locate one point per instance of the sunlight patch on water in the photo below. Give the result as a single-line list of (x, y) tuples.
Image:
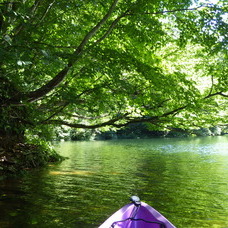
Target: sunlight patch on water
[(77, 172)]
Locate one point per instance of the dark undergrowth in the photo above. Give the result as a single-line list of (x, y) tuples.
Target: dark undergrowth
[(23, 157)]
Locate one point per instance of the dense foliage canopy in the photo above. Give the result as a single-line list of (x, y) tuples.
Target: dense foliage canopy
[(95, 63)]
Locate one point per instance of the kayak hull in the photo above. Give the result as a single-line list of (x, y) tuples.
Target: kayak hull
[(132, 216)]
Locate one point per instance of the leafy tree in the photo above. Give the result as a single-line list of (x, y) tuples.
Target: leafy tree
[(94, 63)]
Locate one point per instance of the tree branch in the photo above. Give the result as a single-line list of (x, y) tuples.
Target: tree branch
[(111, 27), (45, 89), (45, 13), (112, 122), (212, 84), (215, 94), (56, 112), (94, 30)]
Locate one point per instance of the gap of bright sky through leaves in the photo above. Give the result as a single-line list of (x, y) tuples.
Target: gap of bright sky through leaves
[(225, 16)]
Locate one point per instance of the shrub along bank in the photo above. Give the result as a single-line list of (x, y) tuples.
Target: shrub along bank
[(133, 131), (24, 156)]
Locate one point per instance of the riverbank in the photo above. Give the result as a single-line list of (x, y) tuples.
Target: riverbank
[(23, 156)]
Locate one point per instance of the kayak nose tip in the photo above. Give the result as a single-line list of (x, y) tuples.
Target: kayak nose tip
[(135, 200)]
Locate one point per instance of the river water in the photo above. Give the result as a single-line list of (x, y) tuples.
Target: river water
[(185, 179)]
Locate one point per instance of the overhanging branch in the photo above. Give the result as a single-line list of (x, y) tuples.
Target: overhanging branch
[(126, 119), (45, 89), (111, 122), (216, 94), (114, 122)]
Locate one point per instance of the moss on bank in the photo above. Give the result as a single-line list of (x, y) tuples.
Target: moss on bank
[(24, 156)]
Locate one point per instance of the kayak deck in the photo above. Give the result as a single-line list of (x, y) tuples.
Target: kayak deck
[(137, 215)]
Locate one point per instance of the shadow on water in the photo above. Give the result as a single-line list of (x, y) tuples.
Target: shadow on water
[(185, 179)]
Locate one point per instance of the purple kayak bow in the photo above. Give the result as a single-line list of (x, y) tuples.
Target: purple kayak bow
[(137, 215)]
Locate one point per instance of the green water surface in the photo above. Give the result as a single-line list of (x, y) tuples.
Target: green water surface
[(185, 179)]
